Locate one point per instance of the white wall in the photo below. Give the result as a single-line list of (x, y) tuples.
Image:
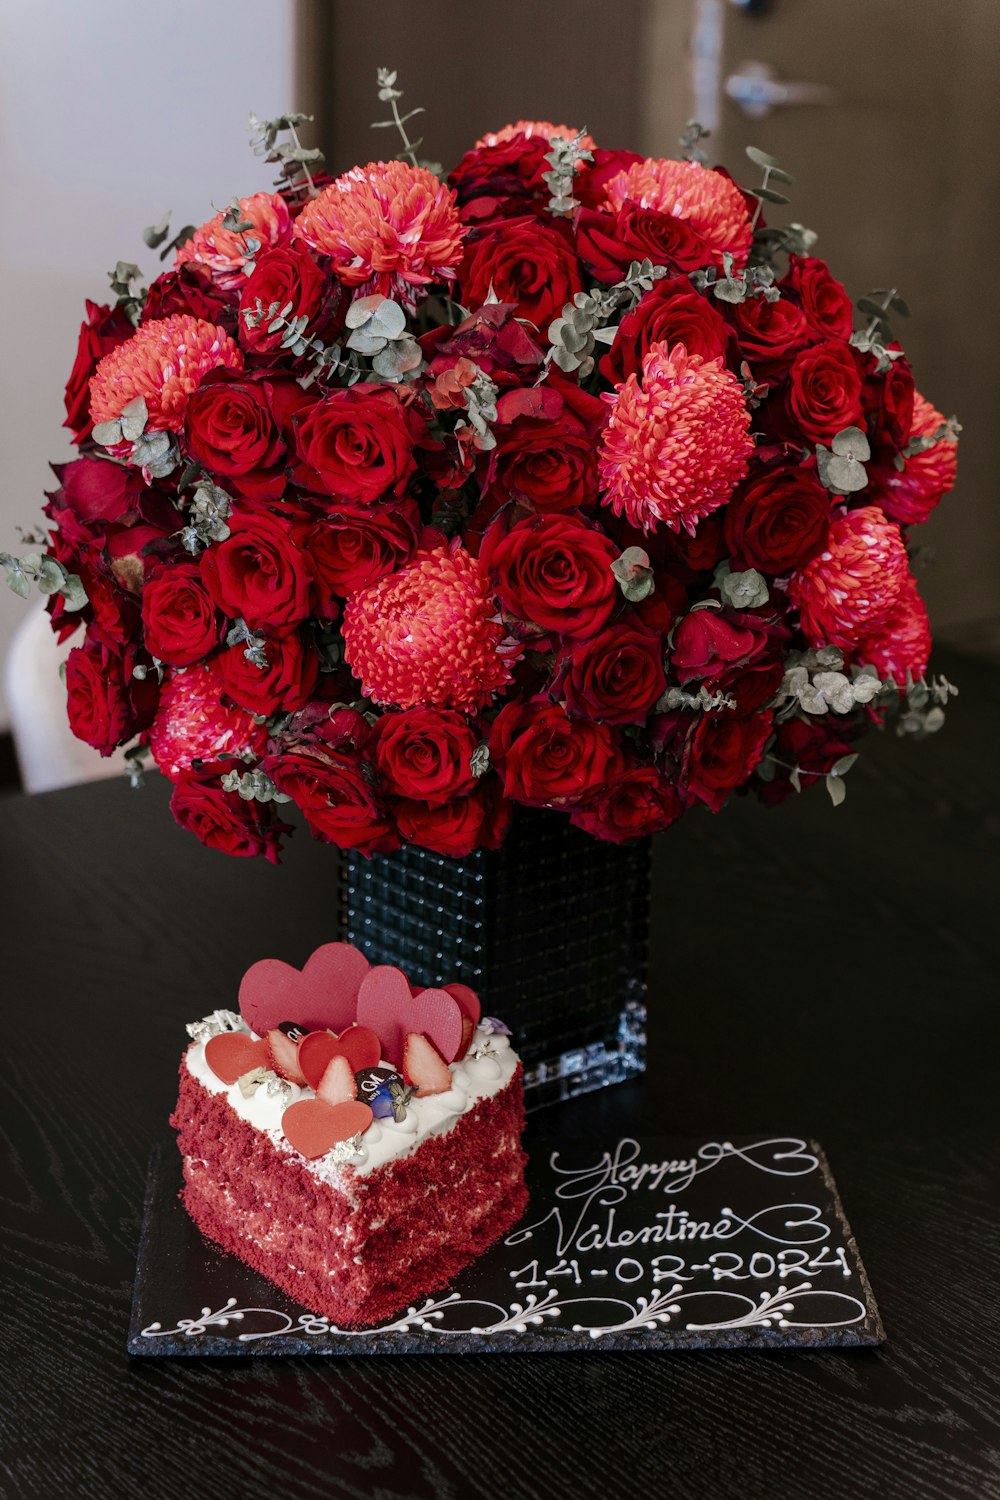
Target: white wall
[(109, 115)]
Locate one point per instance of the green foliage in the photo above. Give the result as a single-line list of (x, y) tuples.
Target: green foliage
[(129, 296), (842, 466), (208, 516), (746, 590), (563, 159), (49, 576), (388, 93), (634, 574), (689, 141), (253, 786), (378, 331), (293, 160), (253, 645)]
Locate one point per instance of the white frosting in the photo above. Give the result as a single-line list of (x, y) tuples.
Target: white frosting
[(385, 1140)]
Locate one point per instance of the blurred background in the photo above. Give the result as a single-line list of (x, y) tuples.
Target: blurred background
[(886, 111)]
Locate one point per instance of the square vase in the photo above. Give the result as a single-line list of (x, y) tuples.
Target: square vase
[(551, 931)]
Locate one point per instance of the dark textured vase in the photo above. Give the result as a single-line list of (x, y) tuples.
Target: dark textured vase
[(551, 931)]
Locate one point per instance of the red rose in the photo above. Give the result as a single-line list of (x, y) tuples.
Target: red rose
[(888, 401), (189, 289), (823, 300), (547, 759), (355, 545), (592, 182), (639, 802), (106, 705), (358, 443), (687, 555), (477, 821), (282, 276), (770, 333), (502, 179), (335, 796), (180, 623), (706, 643), (608, 243), (752, 687), (104, 330), (260, 573), (223, 820), (425, 754), (232, 428), (777, 520), (824, 391), (721, 753), (616, 676), (523, 261), (97, 490), (553, 572), (548, 459), (810, 746), (674, 313), (286, 684)]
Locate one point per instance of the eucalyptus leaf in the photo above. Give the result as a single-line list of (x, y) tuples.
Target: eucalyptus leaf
[(760, 158), (769, 195), (837, 789)]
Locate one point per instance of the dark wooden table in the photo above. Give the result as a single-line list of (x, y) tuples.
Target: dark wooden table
[(814, 971)]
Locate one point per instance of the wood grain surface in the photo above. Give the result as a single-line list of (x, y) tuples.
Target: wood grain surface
[(814, 971)]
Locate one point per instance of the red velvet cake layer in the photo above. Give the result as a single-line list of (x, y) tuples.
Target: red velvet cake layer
[(360, 1252)]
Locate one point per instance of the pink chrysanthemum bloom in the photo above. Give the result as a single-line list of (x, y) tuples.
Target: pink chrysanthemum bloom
[(711, 203), (531, 129), (903, 645), (428, 635), (848, 591), (387, 227), (191, 724), (677, 441), (163, 361), (224, 252), (912, 495)]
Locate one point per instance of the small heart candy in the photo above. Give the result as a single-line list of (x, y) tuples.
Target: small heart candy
[(360, 1046), (314, 1054), (439, 1016), (233, 1053), (323, 994), (313, 1127)]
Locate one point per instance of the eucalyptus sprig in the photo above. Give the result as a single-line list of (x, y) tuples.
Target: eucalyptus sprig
[(878, 335), (130, 298), (563, 159), (298, 343), (49, 575), (772, 173), (388, 93), (267, 140), (689, 141), (155, 234), (253, 786)]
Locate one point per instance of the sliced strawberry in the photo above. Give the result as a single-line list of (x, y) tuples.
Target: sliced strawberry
[(314, 1053), (361, 1047), (423, 1066), (338, 1084), (468, 1032), (284, 1055)]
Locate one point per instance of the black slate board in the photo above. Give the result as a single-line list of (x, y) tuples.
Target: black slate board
[(650, 1243)]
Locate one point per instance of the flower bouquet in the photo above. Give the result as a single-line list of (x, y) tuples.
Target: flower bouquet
[(563, 481)]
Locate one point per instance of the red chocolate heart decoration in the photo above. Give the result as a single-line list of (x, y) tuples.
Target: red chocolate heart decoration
[(361, 1047), (316, 1050), (323, 994), (312, 1127), (468, 1000), (385, 1003), (439, 1016), (233, 1053)]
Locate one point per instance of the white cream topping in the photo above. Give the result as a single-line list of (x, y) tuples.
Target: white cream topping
[(385, 1140)]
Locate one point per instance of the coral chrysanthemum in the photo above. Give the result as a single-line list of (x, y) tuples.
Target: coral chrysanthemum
[(928, 476), (711, 203), (191, 724), (387, 227), (531, 129), (903, 645), (224, 252), (163, 361), (677, 441), (847, 593), (428, 635)]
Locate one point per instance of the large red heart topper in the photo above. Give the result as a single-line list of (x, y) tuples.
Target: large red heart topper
[(388, 1005), (323, 995)]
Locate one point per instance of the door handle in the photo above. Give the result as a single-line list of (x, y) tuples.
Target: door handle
[(756, 89)]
